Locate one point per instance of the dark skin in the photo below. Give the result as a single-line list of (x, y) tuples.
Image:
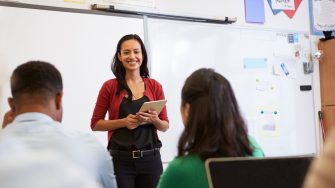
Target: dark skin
[(28, 103), (131, 58), (8, 118)]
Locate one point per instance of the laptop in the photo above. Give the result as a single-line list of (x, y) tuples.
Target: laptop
[(244, 172)]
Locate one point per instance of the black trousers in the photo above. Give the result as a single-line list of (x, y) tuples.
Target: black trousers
[(143, 172)]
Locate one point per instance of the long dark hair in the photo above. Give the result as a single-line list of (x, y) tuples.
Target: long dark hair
[(118, 69), (214, 127)]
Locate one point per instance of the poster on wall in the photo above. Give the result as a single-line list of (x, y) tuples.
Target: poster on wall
[(289, 7)]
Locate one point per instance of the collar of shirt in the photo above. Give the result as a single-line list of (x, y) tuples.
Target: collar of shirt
[(32, 116)]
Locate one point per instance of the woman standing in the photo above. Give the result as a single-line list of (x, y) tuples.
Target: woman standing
[(132, 136)]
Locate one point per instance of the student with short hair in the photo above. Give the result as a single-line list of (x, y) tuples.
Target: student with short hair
[(214, 127), (34, 119)]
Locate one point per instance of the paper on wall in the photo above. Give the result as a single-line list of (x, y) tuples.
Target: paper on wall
[(283, 5), (324, 15), (284, 67)]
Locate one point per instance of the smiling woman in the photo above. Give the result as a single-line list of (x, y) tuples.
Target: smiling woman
[(133, 140)]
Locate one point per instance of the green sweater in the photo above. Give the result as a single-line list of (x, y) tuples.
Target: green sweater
[(189, 171)]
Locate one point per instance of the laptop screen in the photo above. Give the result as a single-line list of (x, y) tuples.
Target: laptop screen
[(283, 172)]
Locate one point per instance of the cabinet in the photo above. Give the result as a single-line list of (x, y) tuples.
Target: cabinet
[(327, 82)]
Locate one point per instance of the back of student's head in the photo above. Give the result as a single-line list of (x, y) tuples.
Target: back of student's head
[(214, 126), (36, 79)]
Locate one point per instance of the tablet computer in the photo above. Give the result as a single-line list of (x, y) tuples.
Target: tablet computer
[(153, 105)]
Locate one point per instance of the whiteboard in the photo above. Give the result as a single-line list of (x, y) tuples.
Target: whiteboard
[(277, 113), (80, 45)]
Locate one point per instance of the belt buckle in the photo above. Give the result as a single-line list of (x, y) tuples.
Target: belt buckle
[(137, 154)]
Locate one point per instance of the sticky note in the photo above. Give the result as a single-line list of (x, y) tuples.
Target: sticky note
[(254, 11), (296, 37), (255, 63)]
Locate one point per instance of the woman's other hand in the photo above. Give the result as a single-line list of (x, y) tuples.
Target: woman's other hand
[(131, 121)]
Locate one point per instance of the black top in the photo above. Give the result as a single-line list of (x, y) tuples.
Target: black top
[(144, 137)]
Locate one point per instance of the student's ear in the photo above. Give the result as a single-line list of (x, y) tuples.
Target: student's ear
[(9, 116), (58, 100), (11, 103)]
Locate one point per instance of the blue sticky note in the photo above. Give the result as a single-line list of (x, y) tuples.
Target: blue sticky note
[(255, 63), (274, 11), (254, 11), (296, 37)]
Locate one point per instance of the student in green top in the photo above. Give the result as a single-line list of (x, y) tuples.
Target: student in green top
[(214, 127)]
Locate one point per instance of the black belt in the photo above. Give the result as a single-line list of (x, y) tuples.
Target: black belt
[(134, 154)]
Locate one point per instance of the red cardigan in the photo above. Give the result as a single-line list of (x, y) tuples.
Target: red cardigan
[(108, 101)]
